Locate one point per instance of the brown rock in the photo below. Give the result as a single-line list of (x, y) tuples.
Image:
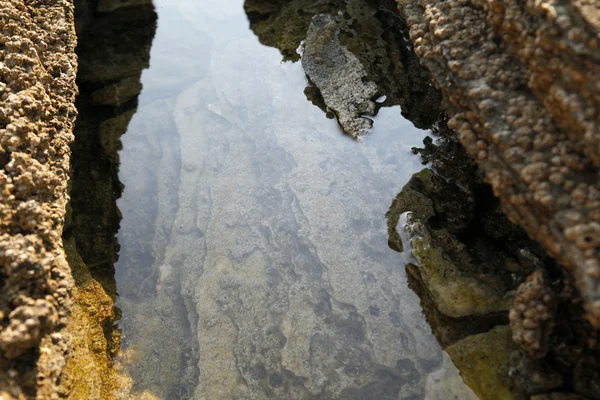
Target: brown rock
[(521, 82), (37, 71)]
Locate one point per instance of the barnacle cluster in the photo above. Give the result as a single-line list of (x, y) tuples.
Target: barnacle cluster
[(37, 71), (532, 315), (521, 82)]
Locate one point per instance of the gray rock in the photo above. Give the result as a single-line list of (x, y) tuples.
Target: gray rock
[(339, 76)]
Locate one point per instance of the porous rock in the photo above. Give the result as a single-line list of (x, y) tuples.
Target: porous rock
[(532, 314), (521, 82), (372, 31), (339, 76), (37, 92)]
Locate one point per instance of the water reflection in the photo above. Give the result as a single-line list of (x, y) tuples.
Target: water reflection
[(372, 31), (113, 49), (254, 259)]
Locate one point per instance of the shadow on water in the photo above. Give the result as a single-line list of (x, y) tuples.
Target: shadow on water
[(114, 48)]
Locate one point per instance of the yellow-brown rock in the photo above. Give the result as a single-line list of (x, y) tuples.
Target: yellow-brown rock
[(37, 92), (89, 372)]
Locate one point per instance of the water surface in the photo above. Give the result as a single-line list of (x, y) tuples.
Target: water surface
[(254, 261)]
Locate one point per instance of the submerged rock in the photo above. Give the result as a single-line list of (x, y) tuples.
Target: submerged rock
[(521, 84), (339, 75)]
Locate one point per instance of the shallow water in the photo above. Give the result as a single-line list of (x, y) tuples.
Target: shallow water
[(254, 261)]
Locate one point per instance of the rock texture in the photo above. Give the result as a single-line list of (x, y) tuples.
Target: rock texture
[(339, 76), (453, 234), (372, 31), (521, 82), (37, 92), (105, 107)]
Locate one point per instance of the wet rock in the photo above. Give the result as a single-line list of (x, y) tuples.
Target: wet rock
[(37, 69), (112, 5), (532, 376), (339, 75), (544, 319), (102, 59), (482, 361), (457, 283), (557, 396), (119, 92), (89, 372), (105, 109), (521, 87)]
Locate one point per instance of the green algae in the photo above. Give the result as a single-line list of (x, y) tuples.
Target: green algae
[(460, 286), (111, 58), (481, 360)]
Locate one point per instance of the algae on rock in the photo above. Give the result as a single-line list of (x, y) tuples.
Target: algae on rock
[(459, 284), (113, 50)]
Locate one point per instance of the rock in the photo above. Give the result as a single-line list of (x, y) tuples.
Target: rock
[(482, 361), (339, 76), (89, 372), (458, 284), (119, 92), (112, 5), (372, 31), (532, 376), (37, 113), (521, 85), (101, 58), (532, 314), (557, 396), (105, 109)]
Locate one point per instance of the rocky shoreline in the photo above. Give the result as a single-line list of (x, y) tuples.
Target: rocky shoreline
[(520, 83)]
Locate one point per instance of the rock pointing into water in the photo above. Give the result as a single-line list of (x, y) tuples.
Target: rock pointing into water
[(522, 85), (339, 76), (37, 91)]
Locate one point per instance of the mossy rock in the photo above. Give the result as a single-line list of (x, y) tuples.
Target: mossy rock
[(482, 360), (424, 220)]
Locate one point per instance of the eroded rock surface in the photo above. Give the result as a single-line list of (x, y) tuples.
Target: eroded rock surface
[(37, 92), (521, 83), (339, 76), (372, 31), (476, 246)]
